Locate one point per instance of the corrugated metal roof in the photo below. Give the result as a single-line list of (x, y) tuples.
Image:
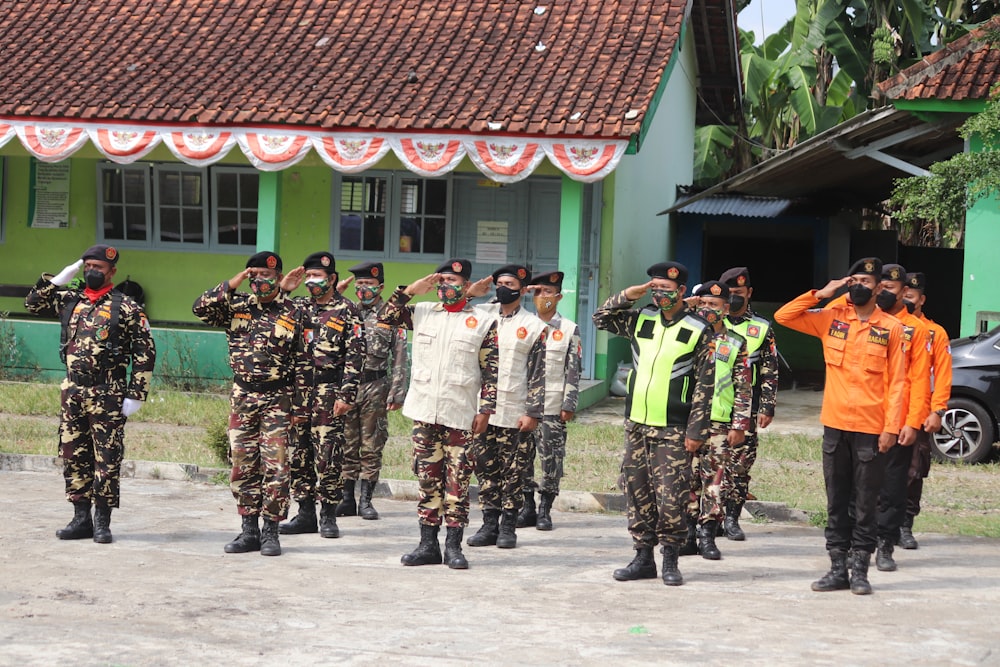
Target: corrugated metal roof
[(738, 205)]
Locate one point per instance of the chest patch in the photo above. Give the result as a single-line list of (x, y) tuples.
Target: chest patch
[(907, 333), (753, 331), (838, 329), (522, 333), (471, 322), (879, 336), (557, 334)]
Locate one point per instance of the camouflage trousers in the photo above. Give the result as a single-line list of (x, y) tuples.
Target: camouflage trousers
[(319, 451), (500, 459), (441, 463), (549, 440), (366, 429), (657, 481), (92, 442), (259, 432), (741, 459), (710, 486)]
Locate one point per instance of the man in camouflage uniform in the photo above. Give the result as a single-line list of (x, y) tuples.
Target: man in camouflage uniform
[(668, 411), (730, 421), (763, 357), (382, 388), (103, 332), (501, 454), (562, 382), (264, 331), (326, 380), (452, 393)]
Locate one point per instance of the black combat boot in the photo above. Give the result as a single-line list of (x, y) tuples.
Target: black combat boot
[(906, 539), (102, 522), (706, 541), (690, 546), (248, 540), (527, 516), (348, 506), (365, 508), (428, 552), (453, 555), (859, 574), (81, 525), (732, 522), (507, 537), (836, 578), (487, 535), (544, 521), (328, 520), (304, 521), (642, 566), (883, 555), (269, 544), (671, 575)]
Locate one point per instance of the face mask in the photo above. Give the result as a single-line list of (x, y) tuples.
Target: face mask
[(910, 306), (545, 304), (860, 294), (506, 295), (317, 286), (263, 287), (886, 300), (665, 300), (367, 294), (95, 279), (450, 294), (710, 315), (736, 303)]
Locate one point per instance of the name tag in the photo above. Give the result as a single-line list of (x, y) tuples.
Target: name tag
[(879, 336)]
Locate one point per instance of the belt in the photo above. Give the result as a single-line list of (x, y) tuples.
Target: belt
[(327, 377), (269, 385), (94, 380), (371, 376)]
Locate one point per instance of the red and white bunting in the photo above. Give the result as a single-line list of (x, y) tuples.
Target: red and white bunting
[(51, 143), (586, 161), (505, 159), (199, 148), (428, 156), (350, 154), (273, 152), (6, 133), (122, 145)]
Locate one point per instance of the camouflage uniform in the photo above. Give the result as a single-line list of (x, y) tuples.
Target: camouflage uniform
[(91, 423), (264, 341)]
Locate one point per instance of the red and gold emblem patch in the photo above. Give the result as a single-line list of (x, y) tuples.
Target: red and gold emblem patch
[(456, 267), (553, 278), (715, 290), (741, 281), (521, 273), (272, 262), (522, 333), (324, 260), (111, 253), (557, 334), (374, 272), (672, 273), (471, 322), (869, 266)]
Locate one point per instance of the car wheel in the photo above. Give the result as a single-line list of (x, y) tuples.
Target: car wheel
[(967, 433)]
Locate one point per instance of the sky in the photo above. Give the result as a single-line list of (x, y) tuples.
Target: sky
[(775, 14)]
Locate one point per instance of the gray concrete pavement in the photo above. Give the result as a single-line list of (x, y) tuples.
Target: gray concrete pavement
[(165, 593)]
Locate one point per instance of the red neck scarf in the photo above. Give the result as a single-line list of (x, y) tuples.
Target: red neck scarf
[(95, 295), (455, 307)]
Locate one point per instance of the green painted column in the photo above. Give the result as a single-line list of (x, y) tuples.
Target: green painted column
[(269, 211), (570, 243)]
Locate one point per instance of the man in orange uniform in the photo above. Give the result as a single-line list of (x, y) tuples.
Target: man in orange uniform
[(914, 299), (916, 407), (862, 401)]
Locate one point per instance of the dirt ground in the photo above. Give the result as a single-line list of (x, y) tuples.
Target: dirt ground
[(165, 593)]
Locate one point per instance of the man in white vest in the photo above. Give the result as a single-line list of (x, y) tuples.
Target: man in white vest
[(453, 389)]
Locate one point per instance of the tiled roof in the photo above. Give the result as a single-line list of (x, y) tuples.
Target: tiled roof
[(966, 69), (581, 68)]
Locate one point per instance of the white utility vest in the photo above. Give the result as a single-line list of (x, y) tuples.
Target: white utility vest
[(556, 348), (446, 380), (515, 337)]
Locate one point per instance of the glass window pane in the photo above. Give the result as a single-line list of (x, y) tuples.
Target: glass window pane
[(375, 195), (136, 217), (374, 233), (248, 230), (228, 221), (225, 189), (350, 231), (170, 225), (409, 235), (114, 225), (409, 195), (112, 186), (434, 229), (194, 227), (436, 197), (350, 194), (135, 187), (192, 188), (249, 185), (169, 188)]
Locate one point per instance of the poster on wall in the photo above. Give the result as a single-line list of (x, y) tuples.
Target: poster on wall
[(491, 242), (49, 205)]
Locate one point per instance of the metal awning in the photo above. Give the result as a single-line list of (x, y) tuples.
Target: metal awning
[(743, 206)]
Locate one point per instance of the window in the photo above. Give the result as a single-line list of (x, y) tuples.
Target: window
[(392, 216), (175, 206)]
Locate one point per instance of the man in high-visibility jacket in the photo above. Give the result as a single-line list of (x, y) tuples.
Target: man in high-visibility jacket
[(862, 402)]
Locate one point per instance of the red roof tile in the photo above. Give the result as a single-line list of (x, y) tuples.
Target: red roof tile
[(962, 70), (337, 65)]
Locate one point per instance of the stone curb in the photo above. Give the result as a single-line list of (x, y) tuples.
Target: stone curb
[(396, 489)]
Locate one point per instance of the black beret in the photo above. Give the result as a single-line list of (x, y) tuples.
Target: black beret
[(738, 276), (670, 270), (916, 280), (516, 270), (458, 267), (893, 272), (713, 288), (320, 260), (369, 270), (553, 278), (103, 253), (869, 265), (264, 260)]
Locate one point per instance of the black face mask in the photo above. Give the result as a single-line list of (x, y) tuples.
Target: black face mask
[(506, 295), (736, 303), (910, 306), (95, 279), (860, 294), (886, 300)]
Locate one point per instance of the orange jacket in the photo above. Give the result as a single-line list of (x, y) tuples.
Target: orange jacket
[(865, 367), (940, 364), (917, 399)]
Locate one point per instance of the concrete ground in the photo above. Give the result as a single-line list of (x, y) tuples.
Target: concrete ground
[(165, 593)]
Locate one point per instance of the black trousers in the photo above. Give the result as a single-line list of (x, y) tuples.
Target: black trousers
[(852, 470), (892, 498)]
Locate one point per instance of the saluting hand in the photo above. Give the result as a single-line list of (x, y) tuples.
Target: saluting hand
[(423, 286), (479, 288), (238, 279), (345, 283), (831, 288), (292, 279), (636, 292)]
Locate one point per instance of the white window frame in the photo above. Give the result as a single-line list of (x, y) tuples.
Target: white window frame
[(214, 172), (158, 207), (103, 167)]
